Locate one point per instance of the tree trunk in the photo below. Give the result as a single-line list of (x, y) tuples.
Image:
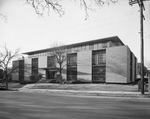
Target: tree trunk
[(60, 68), (6, 80)]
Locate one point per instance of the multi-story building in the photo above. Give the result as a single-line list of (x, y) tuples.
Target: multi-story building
[(104, 60)]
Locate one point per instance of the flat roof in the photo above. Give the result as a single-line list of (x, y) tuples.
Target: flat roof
[(102, 40)]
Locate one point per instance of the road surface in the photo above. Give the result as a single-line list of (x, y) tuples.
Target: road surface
[(18, 105)]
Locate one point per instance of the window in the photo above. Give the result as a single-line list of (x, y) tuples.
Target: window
[(83, 48), (21, 70), (76, 49), (72, 74), (72, 67), (100, 46), (117, 44), (35, 66), (87, 47), (98, 74), (51, 62), (99, 57), (99, 66), (104, 45), (72, 60), (91, 47), (95, 46)]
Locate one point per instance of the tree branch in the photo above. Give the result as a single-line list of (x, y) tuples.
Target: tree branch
[(40, 6), (99, 3), (4, 17)]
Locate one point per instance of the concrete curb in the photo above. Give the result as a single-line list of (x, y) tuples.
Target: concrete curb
[(86, 93)]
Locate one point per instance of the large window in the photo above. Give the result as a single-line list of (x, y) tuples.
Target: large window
[(99, 57), (21, 70), (72, 67), (98, 66), (35, 66), (72, 60), (98, 74), (51, 62)]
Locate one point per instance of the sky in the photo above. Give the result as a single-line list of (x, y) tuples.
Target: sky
[(26, 30)]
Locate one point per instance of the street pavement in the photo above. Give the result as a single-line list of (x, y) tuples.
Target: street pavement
[(28, 89), (20, 105)]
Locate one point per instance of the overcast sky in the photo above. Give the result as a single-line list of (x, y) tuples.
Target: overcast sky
[(26, 30)]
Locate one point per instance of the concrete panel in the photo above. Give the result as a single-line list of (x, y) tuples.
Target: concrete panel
[(133, 68), (64, 70), (84, 66), (27, 69), (128, 65), (42, 62), (15, 75), (116, 64)]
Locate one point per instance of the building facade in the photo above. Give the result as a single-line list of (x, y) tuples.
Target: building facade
[(105, 60)]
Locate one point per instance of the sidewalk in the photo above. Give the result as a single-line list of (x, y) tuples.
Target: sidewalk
[(28, 89)]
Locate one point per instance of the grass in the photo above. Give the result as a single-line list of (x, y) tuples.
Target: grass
[(88, 87)]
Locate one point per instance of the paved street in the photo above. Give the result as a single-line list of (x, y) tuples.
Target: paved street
[(18, 105)]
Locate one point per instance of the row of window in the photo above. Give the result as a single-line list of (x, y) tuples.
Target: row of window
[(79, 48), (98, 58), (98, 71)]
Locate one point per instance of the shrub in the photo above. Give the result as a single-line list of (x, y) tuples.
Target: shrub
[(33, 79)]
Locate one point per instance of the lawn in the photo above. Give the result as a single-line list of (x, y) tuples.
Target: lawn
[(87, 87)]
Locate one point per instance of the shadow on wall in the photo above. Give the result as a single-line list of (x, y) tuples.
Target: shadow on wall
[(27, 72), (64, 71), (117, 66), (83, 80)]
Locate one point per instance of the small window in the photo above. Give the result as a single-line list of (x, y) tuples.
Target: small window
[(91, 47)]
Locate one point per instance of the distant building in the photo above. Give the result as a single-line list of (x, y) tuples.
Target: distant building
[(104, 60), (146, 72)]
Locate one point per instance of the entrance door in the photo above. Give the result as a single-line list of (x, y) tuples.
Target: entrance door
[(50, 74)]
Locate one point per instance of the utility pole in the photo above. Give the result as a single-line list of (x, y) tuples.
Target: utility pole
[(141, 5), (142, 46)]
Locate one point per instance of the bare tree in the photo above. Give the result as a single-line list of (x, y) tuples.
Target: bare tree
[(59, 54), (5, 59), (41, 5)]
